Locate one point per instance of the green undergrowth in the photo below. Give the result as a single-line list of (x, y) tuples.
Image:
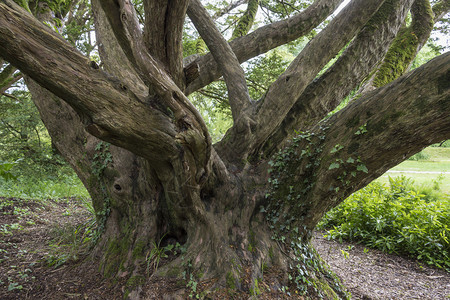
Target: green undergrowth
[(401, 218), (68, 241), (72, 240), (23, 187)]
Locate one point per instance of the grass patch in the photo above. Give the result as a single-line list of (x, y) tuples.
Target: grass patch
[(438, 153), (422, 180), (423, 166), (435, 160), (46, 188)]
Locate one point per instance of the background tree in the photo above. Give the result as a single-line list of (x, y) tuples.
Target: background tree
[(253, 198)]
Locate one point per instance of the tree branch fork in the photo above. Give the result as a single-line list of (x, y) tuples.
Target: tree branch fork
[(119, 116)]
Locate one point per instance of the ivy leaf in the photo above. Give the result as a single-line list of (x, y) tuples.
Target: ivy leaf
[(362, 168), (350, 160), (336, 148), (334, 166)]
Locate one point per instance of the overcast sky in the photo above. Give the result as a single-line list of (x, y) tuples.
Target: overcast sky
[(342, 6)]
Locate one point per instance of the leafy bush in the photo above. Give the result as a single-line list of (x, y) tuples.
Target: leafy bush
[(396, 219), (445, 144), (420, 156), (5, 170)]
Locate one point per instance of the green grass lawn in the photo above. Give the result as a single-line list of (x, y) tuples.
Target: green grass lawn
[(438, 161)]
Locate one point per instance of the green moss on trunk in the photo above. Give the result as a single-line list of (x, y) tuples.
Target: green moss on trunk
[(406, 45), (246, 22)]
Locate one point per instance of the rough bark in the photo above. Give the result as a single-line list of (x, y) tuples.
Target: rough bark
[(358, 142), (114, 114), (163, 34), (123, 188), (407, 44), (283, 93), (224, 56), (325, 93), (264, 39), (163, 181)]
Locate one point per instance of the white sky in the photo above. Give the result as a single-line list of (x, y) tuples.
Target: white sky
[(342, 6)]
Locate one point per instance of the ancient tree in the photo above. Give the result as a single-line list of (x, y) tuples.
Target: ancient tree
[(251, 200)]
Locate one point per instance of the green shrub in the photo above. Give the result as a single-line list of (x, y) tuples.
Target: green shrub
[(5, 170), (420, 156), (396, 219), (445, 144)]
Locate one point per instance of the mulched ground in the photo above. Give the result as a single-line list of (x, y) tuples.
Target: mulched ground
[(25, 253), (372, 274)]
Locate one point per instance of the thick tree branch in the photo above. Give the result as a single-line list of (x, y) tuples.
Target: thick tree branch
[(401, 119), (358, 60), (109, 110), (114, 61), (284, 92), (290, 85), (163, 32), (223, 54), (122, 18), (264, 39), (165, 92), (405, 47), (369, 136)]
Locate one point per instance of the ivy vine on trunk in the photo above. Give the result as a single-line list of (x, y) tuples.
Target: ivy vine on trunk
[(249, 202)]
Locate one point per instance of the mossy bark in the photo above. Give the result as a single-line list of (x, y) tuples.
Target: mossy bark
[(405, 46), (222, 236), (161, 184), (246, 21)]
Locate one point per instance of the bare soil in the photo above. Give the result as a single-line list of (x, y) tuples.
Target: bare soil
[(30, 240)]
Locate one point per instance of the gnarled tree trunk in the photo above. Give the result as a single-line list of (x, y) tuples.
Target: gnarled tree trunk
[(251, 200)]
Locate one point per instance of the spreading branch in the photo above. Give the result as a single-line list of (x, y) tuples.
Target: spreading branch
[(365, 139), (264, 39), (163, 89), (408, 43), (43, 55), (290, 85), (284, 92), (163, 32), (223, 54), (388, 125), (321, 96), (113, 58)]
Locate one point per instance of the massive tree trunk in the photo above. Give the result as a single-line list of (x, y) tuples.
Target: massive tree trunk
[(252, 200)]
